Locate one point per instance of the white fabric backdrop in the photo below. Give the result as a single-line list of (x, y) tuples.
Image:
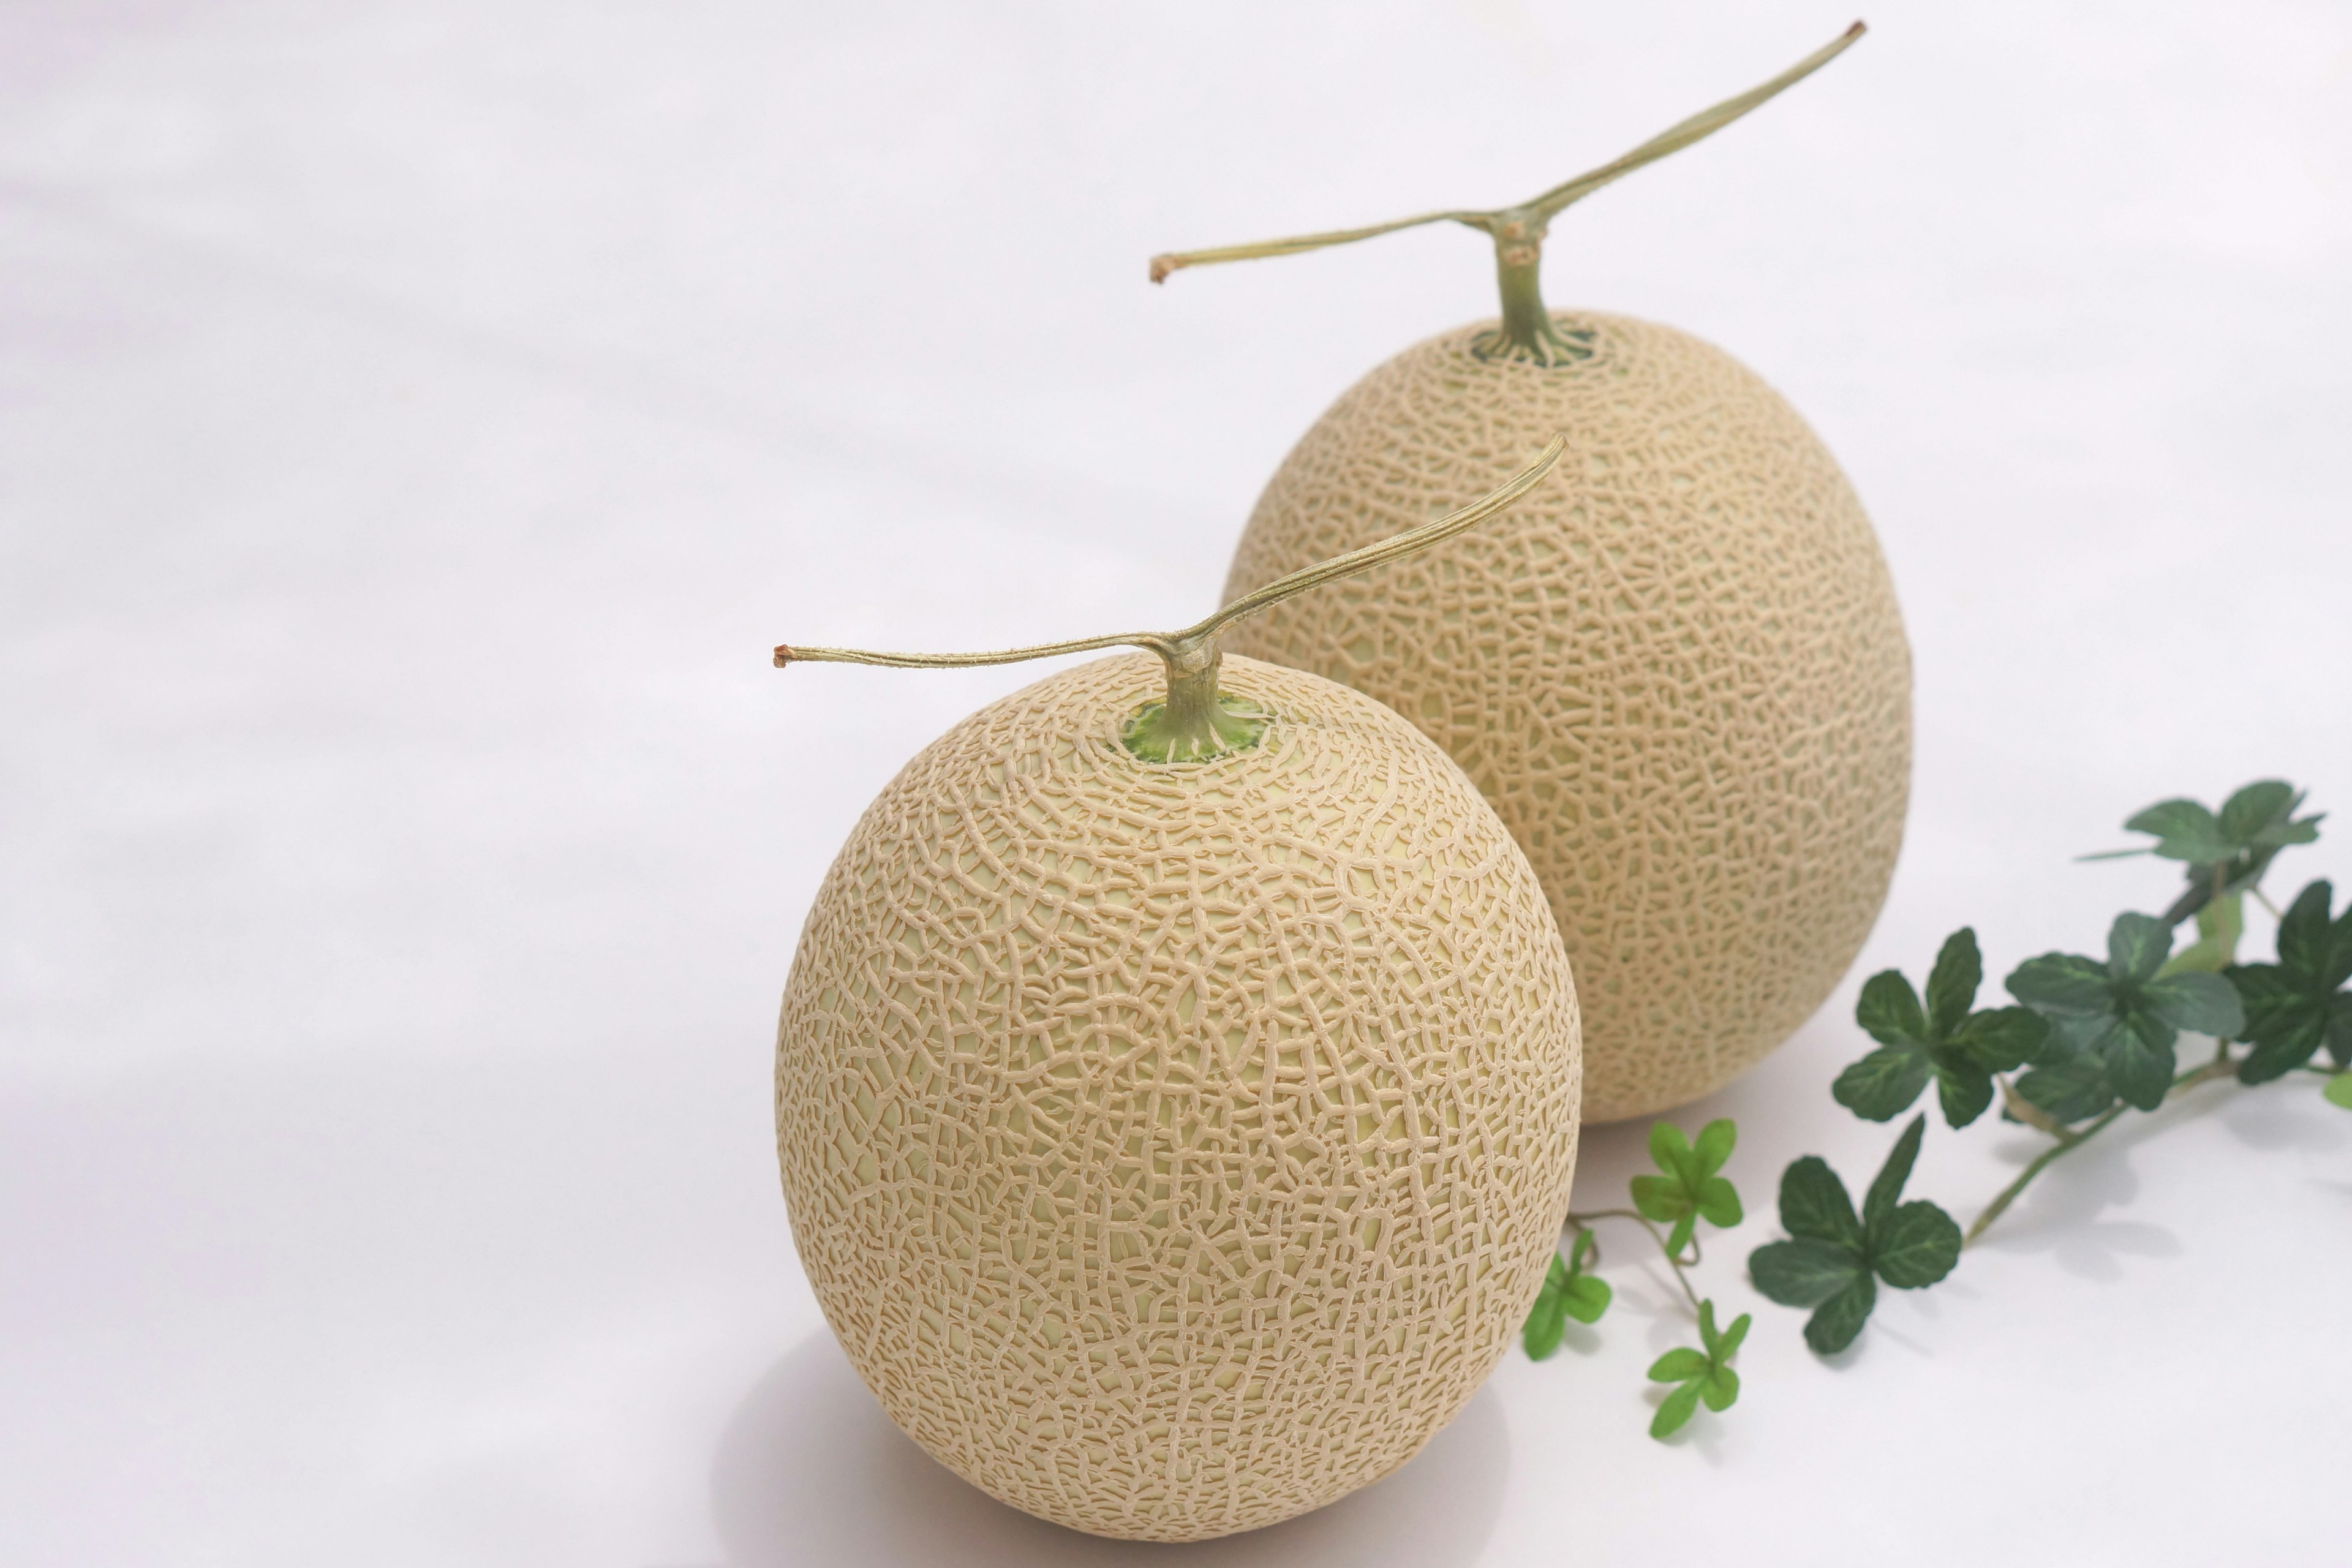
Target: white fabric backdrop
[(417, 421)]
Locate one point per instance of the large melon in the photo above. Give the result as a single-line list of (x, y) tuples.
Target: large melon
[(1678, 671), (1175, 1148)]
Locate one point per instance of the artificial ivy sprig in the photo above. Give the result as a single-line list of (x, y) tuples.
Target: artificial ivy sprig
[(2227, 852), (2121, 1016), (1689, 1190), (1948, 1040), (1704, 1373), (1834, 1260), (2300, 1003)]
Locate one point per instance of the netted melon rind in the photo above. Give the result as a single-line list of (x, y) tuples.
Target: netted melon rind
[(1676, 668), (1174, 1150)]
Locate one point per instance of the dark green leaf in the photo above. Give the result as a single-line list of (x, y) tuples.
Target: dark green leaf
[(2302, 932), (1586, 1298), (2339, 1090), (2201, 1004), (1887, 1189), (1804, 1272), (1675, 1411), (1719, 1203), (2140, 1061), (1889, 1009), (1714, 1144), (1952, 984), (2273, 998), (2138, 946), (1964, 1090), (2003, 1038), (1659, 1199), (1917, 1246), (2063, 983), (2339, 1031), (1677, 1364), (2259, 805), (1884, 1084), (2282, 1052), (1720, 1389), (1832, 1328), (1813, 1202), (2074, 1089), (2184, 831)]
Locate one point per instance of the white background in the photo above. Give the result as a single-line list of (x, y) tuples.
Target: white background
[(417, 421)]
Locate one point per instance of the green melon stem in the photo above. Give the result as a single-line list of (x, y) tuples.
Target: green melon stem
[(1527, 331), (1195, 721)]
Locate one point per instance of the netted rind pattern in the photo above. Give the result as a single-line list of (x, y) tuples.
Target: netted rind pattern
[(1175, 1149), (1676, 668)]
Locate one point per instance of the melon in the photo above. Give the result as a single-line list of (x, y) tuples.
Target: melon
[(1175, 1145), (1678, 673)]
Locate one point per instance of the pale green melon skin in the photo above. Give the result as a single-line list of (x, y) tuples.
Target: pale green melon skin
[(1174, 1149), (1676, 668)]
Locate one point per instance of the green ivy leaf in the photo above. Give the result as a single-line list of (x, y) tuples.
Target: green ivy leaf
[(1704, 1374), (2226, 853), (2185, 830), (1833, 1262), (1688, 1188), (2339, 1090), (1946, 1042), (2072, 1088), (1568, 1293), (2299, 1004), (2122, 1013)]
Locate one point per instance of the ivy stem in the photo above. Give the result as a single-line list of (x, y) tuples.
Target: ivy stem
[(2221, 1066), (1197, 722), (1584, 1222)]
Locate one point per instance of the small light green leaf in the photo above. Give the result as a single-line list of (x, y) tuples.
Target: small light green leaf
[(1659, 1199), (1720, 1389), (1678, 1363), (1952, 984), (1884, 1084), (1719, 1203), (1887, 1189), (2219, 925), (2138, 946), (2063, 983), (1716, 1141), (1732, 1337), (2339, 1090), (1832, 1328), (1586, 1298), (1889, 1009), (2201, 1004), (1545, 1324), (1804, 1272), (1915, 1246), (1668, 1148), (1680, 1236), (1813, 1202), (1677, 1411)]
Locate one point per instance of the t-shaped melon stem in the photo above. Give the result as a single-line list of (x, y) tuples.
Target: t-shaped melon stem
[(1528, 332), (1195, 723)]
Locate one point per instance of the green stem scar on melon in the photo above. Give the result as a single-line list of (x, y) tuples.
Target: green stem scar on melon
[(1196, 722), (1528, 332)]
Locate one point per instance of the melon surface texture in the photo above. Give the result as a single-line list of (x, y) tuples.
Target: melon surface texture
[(1175, 1147), (1678, 671)]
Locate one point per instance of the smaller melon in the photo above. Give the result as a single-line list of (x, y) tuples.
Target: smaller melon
[(1174, 1146)]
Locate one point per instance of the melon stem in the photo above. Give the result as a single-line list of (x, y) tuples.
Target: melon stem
[(1528, 332), (1196, 721)]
